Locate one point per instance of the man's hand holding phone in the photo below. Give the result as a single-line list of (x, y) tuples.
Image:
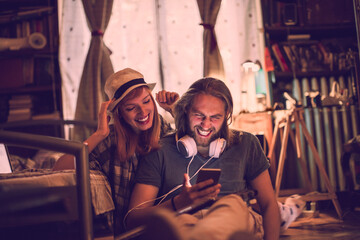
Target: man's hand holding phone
[(201, 191)]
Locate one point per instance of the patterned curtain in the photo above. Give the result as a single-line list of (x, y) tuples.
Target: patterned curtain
[(139, 32), (97, 65), (213, 64)]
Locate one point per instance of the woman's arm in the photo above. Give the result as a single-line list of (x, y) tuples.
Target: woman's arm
[(167, 100), (102, 130), (268, 205), (67, 161)]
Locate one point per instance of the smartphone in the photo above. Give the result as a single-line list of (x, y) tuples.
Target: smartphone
[(209, 173)]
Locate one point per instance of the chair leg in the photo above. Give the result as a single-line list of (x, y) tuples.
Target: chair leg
[(282, 157), (321, 169)]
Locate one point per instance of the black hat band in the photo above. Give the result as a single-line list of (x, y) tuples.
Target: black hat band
[(128, 85)]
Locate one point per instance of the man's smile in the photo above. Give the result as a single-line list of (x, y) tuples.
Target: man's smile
[(204, 133)]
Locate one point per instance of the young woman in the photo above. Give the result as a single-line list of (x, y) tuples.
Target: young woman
[(129, 126)]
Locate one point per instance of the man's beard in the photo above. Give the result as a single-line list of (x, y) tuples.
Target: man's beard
[(214, 136)]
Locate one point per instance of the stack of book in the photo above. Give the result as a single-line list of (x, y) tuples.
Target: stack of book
[(20, 108)]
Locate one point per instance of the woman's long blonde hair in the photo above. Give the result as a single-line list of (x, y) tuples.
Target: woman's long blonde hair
[(129, 142)]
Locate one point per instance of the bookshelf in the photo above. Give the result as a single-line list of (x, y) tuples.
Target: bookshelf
[(314, 51), (308, 39), (30, 83)]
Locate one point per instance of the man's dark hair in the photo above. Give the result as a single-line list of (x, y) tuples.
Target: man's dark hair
[(209, 86)]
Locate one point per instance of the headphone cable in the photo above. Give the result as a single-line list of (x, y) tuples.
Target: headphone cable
[(171, 191)]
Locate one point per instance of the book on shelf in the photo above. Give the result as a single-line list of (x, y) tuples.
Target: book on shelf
[(269, 65), (25, 29), (297, 57), (293, 59), (19, 114), (306, 56), (20, 107), (20, 111), (289, 56), (324, 52), (22, 101), (280, 58)]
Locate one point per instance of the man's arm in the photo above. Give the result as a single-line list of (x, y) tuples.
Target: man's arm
[(141, 204), (143, 198), (268, 205)]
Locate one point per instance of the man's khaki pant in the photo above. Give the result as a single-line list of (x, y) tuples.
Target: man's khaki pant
[(227, 218)]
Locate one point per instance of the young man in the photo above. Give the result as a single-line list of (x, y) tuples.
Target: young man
[(166, 178)]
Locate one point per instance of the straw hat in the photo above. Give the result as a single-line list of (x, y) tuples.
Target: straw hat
[(119, 84)]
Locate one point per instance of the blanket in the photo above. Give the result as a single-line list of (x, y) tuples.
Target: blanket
[(100, 188)]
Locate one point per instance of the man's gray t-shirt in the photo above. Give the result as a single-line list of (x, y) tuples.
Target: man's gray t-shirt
[(240, 163)]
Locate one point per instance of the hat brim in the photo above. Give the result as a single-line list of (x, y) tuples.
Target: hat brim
[(115, 103)]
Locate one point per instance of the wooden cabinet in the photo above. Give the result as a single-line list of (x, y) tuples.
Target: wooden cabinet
[(30, 82)]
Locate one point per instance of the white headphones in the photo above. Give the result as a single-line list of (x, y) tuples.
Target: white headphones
[(187, 146)]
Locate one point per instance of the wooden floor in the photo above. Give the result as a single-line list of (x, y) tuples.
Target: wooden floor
[(325, 224), (322, 223)]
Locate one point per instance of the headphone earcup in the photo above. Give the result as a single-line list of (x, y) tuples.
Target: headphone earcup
[(217, 147), (187, 146)]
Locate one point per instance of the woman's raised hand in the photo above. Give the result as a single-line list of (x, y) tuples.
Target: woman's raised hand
[(103, 120), (167, 100)]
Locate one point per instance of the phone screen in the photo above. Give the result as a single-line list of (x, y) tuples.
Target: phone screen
[(209, 173)]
